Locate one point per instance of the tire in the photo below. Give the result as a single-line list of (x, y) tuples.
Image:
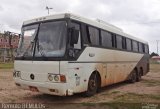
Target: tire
[(92, 85), (133, 77), (139, 75)]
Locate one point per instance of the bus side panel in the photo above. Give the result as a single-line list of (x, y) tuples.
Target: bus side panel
[(113, 65), (143, 65), (118, 72), (78, 75)]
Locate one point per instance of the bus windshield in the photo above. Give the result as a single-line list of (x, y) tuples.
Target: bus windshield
[(43, 40)]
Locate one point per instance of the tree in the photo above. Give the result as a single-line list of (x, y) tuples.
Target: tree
[(153, 54), (10, 36)]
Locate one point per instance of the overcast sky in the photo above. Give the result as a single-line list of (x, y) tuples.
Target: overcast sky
[(140, 18)]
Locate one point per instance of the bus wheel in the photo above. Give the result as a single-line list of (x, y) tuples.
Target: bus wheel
[(92, 85), (139, 75), (133, 77)]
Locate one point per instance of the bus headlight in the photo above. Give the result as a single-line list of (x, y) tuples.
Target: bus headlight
[(50, 77), (18, 74), (56, 78)]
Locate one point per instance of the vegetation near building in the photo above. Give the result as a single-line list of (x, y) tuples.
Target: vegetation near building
[(153, 54)]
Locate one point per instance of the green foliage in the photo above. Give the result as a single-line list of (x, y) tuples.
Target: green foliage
[(6, 65), (153, 54)]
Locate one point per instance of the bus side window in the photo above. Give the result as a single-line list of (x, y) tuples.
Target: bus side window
[(140, 48), (94, 35), (143, 48), (114, 44), (135, 46), (119, 41), (128, 44), (77, 27), (146, 49), (106, 39), (124, 43), (86, 39)]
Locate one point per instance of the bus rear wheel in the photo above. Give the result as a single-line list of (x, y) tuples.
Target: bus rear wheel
[(139, 75), (92, 85), (133, 77)]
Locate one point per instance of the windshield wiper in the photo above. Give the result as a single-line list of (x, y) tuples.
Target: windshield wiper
[(39, 47)]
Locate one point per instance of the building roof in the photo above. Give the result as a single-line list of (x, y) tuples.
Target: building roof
[(96, 23), (156, 57)]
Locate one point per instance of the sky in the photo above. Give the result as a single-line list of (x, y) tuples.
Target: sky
[(139, 18)]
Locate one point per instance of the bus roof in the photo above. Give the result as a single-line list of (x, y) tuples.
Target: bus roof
[(97, 23)]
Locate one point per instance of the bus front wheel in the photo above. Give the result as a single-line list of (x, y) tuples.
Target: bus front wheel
[(92, 85)]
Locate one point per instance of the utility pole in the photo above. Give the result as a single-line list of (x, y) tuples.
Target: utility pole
[(157, 46), (47, 8)]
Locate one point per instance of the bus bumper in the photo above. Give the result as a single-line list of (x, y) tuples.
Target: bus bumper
[(59, 89)]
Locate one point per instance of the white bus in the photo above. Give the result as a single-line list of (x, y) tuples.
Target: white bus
[(65, 54)]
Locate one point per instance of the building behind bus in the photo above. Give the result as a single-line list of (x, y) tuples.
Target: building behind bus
[(8, 47)]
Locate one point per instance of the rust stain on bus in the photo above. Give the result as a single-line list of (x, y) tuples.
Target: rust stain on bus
[(112, 73)]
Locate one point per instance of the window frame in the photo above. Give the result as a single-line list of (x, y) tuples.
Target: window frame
[(146, 48), (80, 31), (106, 32), (114, 46), (124, 43), (128, 43), (89, 35), (134, 48), (118, 43)]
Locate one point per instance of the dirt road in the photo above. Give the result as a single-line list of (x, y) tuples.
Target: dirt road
[(147, 90)]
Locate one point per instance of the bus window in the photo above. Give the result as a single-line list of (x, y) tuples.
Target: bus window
[(114, 40), (84, 34), (94, 35), (140, 48), (146, 49), (106, 39), (123, 42), (143, 48), (128, 44), (135, 46), (77, 27), (119, 41)]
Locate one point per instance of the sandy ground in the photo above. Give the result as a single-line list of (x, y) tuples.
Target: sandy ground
[(147, 90)]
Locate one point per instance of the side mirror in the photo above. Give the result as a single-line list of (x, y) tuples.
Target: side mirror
[(74, 36)]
